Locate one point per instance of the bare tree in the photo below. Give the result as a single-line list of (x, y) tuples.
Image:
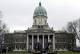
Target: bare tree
[(3, 29), (74, 27)]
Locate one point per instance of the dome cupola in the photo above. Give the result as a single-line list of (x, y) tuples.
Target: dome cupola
[(40, 11)]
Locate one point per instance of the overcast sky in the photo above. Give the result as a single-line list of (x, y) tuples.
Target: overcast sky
[(18, 14)]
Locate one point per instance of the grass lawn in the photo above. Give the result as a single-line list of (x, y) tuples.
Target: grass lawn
[(16, 53), (68, 52)]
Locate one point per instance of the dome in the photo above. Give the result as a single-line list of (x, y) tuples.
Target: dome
[(40, 11)]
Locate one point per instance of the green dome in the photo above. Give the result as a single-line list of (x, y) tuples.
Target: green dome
[(40, 11)]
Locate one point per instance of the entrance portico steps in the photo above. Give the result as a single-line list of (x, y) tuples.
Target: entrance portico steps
[(38, 52), (18, 50)]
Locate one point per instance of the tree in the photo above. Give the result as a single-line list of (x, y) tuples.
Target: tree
[(74, 27), (3, 29)]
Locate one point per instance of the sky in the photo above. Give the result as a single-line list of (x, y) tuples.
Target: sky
[(18, 14)]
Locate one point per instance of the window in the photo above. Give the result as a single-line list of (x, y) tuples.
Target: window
[(38, 26), (41, 26), (35, 21), (45, 21)]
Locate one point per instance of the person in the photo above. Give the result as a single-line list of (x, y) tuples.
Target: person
[(45, 49)]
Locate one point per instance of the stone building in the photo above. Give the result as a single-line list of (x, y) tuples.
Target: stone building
[(40, 32)]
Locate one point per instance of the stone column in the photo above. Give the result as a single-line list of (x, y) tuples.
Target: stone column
[(15, 47), (32, 42), (53, 42), (19, 47), (48, 38), (37, 38), (27, 41), (43, 40)]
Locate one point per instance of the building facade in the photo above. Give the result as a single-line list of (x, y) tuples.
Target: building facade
[(40, 32)]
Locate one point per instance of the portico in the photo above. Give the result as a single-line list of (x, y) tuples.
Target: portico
[(42, 38)]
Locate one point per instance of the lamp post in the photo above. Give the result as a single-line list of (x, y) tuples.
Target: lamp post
[(0, 49), (6, 50)]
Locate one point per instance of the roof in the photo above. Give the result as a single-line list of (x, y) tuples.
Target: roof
[(40, 11)]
